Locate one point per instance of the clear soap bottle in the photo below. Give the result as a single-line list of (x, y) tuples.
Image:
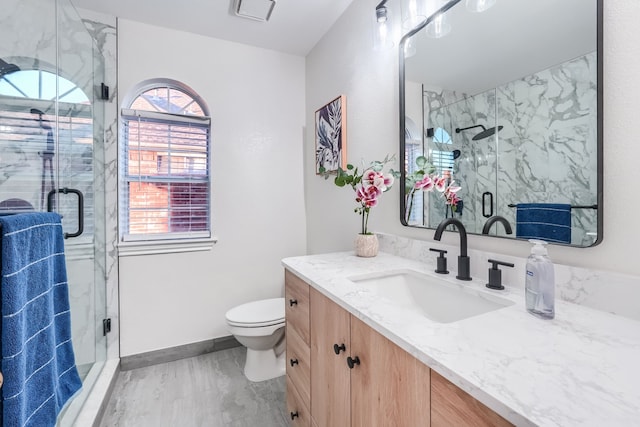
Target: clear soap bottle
[(540, 282)]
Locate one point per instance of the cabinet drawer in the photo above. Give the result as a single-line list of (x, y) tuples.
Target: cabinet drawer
[(298, 364), (297, 411), (297, 305), (452, 406)]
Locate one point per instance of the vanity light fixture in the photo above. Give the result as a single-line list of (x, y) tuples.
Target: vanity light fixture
[(382, 27), (479, 5), (257, 10)]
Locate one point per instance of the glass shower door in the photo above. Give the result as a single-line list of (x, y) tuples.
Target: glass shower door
[(52, 151)]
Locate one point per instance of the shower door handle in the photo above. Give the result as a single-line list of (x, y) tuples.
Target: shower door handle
[(78, 193), (484, 204)]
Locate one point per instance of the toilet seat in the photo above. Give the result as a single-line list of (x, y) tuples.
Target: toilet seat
[(257, 314)]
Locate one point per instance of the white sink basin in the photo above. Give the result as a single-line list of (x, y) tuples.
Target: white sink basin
[(436, 299)]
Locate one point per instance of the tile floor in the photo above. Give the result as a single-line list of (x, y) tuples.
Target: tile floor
[(203, 391)]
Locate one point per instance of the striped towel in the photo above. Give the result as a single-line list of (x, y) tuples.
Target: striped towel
[(545, 221), (38, 363)]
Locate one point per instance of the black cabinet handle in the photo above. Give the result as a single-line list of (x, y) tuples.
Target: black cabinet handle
[(484, 204), (353, 362), (293, 362), (294, 415), (338, 348), (293, 302)]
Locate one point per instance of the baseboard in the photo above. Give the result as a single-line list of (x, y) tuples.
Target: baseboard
[(141, 360)]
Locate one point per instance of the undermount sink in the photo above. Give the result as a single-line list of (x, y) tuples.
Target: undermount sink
[(436, 299)]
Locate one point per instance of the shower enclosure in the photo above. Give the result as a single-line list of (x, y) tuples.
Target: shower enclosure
[(52, 153)]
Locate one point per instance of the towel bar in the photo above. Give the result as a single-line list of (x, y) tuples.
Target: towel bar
[(513, 205)]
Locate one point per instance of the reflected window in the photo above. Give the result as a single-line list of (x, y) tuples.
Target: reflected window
[(40, 84), (42, 151), (442, 159)]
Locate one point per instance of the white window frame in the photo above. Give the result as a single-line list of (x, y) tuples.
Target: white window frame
[(143, 244)]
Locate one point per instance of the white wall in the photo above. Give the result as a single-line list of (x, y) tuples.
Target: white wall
[(256, 98), (343, 62)]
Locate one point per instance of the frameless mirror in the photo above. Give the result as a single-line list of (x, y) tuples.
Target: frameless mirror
[(508, 104)]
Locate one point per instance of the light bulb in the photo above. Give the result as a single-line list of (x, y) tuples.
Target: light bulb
[(439, 27), (479, 5)]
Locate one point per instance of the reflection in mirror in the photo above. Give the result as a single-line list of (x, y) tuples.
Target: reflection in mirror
[(508, 105)]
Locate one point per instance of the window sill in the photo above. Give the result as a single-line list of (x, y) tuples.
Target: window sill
[(165, 246)]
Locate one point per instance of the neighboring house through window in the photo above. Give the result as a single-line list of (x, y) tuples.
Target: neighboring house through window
[(165, 149)]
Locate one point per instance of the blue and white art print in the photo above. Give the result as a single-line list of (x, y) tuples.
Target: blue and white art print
[(330, 136)]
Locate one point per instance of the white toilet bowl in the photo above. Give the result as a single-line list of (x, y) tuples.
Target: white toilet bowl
[(259, 326)]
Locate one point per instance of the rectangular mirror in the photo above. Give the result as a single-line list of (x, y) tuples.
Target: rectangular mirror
[(508, 105)]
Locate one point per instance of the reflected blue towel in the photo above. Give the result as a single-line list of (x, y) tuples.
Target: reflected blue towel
[(38, 363), (545, 221)]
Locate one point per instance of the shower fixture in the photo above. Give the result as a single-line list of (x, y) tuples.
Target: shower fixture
[(6, 68), (486, 133)]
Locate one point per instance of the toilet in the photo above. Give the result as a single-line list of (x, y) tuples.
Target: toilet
[(259, 326)]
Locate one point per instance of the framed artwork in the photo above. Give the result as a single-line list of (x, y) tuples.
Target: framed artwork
[(331, 152)]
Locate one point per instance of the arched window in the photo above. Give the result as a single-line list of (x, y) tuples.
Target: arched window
[(165, 163)]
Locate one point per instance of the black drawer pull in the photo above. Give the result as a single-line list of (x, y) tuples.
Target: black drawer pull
[(293, 362), (294, 415), (293, 302), (338, 348)]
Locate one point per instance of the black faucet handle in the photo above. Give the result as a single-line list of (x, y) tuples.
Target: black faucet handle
[(495, 274), (441, 261)]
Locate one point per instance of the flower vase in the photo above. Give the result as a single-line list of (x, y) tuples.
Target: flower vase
[(366, 245)]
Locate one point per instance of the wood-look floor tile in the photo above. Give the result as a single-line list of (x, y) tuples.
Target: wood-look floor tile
[(204, 391)]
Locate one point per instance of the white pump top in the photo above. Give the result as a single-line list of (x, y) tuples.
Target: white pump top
[(538, 247)]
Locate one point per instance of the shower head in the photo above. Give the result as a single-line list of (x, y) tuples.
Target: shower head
[(482, 135), (6, 68), (487, 133)]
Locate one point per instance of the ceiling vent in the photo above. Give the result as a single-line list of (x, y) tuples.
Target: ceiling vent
[(258, 10)]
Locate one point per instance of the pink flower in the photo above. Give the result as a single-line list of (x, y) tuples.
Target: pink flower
[(377, 179), (368, 195), (440, 183), (450, 194), (425, 184)]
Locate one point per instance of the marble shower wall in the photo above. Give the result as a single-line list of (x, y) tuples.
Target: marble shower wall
[(546, 152), (548, 149)]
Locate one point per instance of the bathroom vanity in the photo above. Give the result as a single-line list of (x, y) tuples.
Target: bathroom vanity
[(361, 355)]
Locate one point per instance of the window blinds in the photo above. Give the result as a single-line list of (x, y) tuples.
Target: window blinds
[(165, 164)]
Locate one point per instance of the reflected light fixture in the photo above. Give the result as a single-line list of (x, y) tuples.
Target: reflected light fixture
[(257, 10), (439, 27), (479, 5)]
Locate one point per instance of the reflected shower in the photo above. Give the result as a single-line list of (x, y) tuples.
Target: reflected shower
[(486, 133), (6, 68)]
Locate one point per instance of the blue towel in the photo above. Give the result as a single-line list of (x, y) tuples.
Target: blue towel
[(544, 221), (38, 363)]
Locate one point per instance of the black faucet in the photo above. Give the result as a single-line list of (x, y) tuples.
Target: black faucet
[(463, 260), (497, 218)]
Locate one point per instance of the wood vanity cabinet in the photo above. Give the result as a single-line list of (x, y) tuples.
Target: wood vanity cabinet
[(360, 378), (347, 374), (298, 350), (451, 406)]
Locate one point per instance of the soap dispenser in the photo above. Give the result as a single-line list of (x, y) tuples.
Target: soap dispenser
[(540, 282)]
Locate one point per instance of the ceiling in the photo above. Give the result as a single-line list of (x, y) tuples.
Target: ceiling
[(295, 25)]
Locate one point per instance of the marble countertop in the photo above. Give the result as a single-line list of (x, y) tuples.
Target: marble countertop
[(580, 369)]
